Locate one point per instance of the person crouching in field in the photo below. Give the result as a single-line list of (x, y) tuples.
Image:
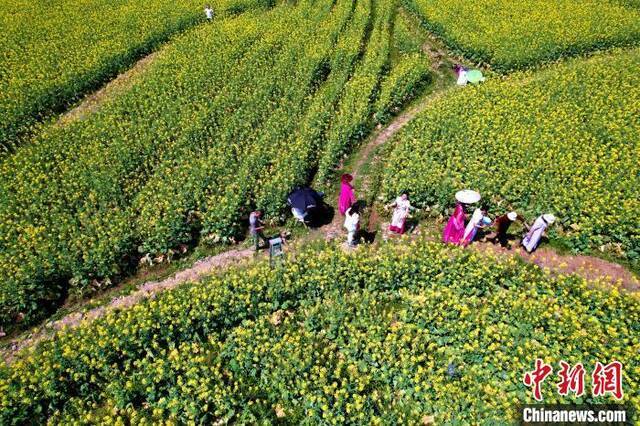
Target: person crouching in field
[(532, 238), (502, 224)]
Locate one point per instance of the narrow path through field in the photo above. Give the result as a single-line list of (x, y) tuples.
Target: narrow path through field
[(92, 101), (362, 181), (363, 160), (589, 267), (144, 291)]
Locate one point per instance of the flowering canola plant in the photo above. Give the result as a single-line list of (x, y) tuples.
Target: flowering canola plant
[(565, 140), (512, 35), (389, 334), (230, 116), (54, 52)]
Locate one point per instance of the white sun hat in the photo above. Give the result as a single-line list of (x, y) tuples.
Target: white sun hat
[(549, 218), (467, 196), (512, 216)]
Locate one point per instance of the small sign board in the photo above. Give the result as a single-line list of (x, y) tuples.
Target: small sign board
[(275, 249)]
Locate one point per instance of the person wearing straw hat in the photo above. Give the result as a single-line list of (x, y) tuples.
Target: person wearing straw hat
[(532, 238), (502, 224), (347, 198)]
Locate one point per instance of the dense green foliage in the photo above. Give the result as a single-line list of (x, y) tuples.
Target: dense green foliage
[(229, 117), (53, 52), (565, 140), (367, 337), (404, 82), (510, 34), (407, 38), (353, 119)]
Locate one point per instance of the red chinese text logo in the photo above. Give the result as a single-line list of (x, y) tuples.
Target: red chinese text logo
[(605, 379), (536, 377)]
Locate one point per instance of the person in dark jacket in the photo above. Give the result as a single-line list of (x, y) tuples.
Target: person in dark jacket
[(502, 224)]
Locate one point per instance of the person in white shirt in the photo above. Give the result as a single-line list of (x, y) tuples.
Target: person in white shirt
[(209, 12), (401, 206), (352, 223), (478, 220), (532, 238), (461, 73)]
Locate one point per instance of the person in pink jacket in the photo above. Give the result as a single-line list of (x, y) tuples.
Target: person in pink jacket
[(455, 227), (347, 197)]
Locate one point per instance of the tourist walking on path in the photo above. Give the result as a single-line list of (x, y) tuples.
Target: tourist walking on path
[(401, 206), (347, 197), (502, 224), (478, 220), (256, 228), (352, 223), (455, 226), (532, 239)]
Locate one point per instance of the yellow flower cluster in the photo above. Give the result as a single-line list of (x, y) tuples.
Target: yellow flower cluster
[(387, 335), (229, 116), (516, 34), (53, 53), (405, 80), (565, 140), (356, 105), (408, 37)]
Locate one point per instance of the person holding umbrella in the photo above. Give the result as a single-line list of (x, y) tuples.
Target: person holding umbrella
[(455, 226), (465, 76), (303, 201), (454, 230), (532, 238), (347, 197)]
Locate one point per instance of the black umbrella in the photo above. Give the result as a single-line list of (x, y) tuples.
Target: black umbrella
[(304, 198)]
